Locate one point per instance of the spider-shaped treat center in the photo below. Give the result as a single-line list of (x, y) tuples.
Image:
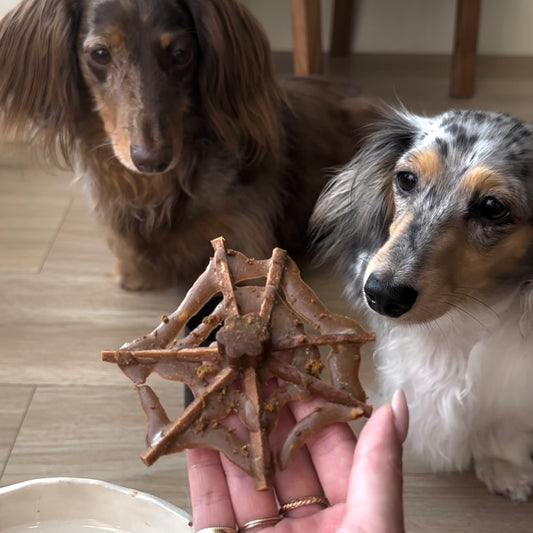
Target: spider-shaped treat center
[(243, 340)]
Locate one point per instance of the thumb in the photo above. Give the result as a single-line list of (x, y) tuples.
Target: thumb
[(375, 496)]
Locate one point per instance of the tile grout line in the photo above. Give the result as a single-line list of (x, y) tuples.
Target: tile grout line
[(56, 235), (12, 447)]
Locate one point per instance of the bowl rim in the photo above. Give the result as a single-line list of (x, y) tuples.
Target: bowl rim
[(145, 496)]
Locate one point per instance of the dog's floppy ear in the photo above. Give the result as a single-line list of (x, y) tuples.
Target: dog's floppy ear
[(240, 96), (39, 81), (356, 207)]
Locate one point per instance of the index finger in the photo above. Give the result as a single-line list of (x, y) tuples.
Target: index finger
[(210, 496)]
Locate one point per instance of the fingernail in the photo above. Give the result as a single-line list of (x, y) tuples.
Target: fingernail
[(401, 414)]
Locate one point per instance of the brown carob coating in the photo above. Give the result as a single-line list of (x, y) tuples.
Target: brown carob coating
[(266, 355)]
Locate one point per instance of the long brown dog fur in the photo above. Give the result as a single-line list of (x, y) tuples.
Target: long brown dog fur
[(171, 113)]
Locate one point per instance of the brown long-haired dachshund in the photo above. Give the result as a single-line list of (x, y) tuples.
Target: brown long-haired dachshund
[(170, 112)]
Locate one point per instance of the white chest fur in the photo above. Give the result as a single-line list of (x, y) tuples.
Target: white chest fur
[(463, 374)]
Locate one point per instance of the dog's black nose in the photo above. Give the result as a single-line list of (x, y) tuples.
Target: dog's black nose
[(151, 161), (388, 299)]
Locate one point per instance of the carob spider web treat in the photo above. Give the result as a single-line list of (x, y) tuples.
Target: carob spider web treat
[(264, 357)]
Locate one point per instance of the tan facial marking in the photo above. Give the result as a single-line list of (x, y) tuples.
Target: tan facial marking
[(108, 114), (120, 137), (472, 269), (165, 40), (482, 179), (116, 37), (395, 229), (426, 163)]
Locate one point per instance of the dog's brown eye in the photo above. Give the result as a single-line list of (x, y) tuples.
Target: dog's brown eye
[(181, 57), (101, 55), (406, 181), (492, 209)]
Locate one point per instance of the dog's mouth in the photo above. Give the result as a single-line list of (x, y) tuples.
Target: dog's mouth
[(388, 298)]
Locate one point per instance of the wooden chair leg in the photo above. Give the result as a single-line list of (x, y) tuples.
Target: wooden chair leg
[(341, 28), (462, 78), (307, 37)]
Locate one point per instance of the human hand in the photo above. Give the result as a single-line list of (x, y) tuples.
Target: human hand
[(363, 483)]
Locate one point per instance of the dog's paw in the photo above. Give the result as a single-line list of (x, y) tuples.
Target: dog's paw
[(506, 478), (130, 278), (132, 283)]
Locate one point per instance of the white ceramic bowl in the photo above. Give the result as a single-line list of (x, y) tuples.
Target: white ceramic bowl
[(72, 505)]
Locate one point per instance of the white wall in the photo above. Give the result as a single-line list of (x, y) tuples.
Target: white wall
[(411, 26), (6, 5), (404, 26)]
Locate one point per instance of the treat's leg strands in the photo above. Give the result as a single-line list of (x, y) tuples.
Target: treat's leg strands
[(261, 464), (203, 330), (147, 357), (224, 276), (301, 341), (275, 274), (244, 268), (189, 416), (344, 361), (319, 418), (156, 416), (203, 289), (315, 386), (306, 303), (220, 439)]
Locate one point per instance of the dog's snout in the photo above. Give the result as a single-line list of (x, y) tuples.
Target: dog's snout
[(151, 160), (388, 299)]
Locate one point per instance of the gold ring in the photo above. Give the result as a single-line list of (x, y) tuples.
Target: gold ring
[(259, 522), (217, 529), (302, 502)]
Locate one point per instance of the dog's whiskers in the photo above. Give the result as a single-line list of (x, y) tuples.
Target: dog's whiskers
[(466, 295), (470, 312), (96, 147)]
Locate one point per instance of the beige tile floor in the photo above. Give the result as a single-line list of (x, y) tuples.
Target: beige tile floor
[(64, 413)]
